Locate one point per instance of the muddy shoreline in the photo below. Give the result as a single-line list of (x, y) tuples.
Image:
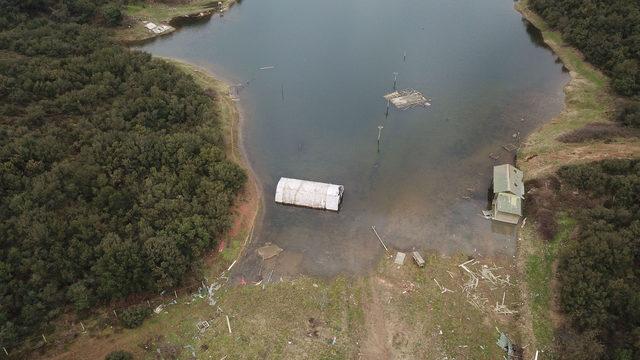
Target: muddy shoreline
[(249, 203)]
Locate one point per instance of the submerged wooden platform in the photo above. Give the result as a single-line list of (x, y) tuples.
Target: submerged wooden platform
[(407, 98)]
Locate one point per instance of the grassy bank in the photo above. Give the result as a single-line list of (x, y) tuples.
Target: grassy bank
[(539, 275), (297, 319), (395, 312), (588, 99), (160, 13), (422, 320)]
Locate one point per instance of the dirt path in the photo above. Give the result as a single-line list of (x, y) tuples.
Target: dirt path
[(376, 344), (526, 317)]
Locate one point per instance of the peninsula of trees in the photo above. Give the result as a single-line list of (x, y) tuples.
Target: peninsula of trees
[(113, 177)]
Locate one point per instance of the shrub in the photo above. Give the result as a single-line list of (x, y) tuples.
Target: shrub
[(630, 114), (134, 316), (597, 131), (572, 345), (547, 225), (112, 15), (597, 269), (119, 355)]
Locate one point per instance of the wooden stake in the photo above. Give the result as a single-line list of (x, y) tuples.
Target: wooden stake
[(404, 58), (114, 313), (44, 338), (228, 324), (381, 242), (83, 329), (233, 263), (175, 293), (5, 351)]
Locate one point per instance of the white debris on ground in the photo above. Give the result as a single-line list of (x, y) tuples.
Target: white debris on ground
[(407, 98), (476, 273), (202, 325), (157, 29)]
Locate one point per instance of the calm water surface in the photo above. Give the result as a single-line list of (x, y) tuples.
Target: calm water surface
[(482, 67)]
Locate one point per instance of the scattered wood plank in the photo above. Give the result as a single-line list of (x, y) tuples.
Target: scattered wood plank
[(381, 242)]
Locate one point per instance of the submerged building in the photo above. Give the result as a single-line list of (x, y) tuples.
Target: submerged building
[(310, 194), (508, 192)]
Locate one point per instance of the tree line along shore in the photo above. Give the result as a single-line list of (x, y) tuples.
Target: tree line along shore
[(115, 180), (580, 250)]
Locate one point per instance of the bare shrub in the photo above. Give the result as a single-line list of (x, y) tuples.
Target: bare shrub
[(541, 203), (597, 131), (574, 345)]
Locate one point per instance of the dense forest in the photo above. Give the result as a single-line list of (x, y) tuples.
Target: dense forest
[(113, 179), (606, 31), (599, 268)]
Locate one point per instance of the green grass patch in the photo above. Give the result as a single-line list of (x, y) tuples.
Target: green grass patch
[(159, 12), (539, 276)]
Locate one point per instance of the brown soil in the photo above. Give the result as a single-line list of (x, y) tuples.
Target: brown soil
[(376, 344), (526, 318)]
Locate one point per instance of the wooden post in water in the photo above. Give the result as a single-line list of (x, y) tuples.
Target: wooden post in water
[(282, 92), (395, 80), (404, 57), (380, 127)]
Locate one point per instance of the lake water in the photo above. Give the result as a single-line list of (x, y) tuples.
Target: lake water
[(315, 116)]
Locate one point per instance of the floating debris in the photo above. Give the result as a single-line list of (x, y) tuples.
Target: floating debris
[(407, 98), (268, 251)]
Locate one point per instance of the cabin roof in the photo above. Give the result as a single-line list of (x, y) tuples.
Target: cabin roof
[(508, 178), (508, 203)]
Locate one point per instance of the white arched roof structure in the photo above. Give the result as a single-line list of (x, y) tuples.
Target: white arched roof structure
[(309, 194)]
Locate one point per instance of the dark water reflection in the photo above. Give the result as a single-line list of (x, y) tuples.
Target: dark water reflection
[(488, 75)]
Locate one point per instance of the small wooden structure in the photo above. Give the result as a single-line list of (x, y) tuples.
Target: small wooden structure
[(418, 258), (508, 192), (400, 258)]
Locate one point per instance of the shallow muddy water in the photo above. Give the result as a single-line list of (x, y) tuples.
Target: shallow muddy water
[(315, 116)]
